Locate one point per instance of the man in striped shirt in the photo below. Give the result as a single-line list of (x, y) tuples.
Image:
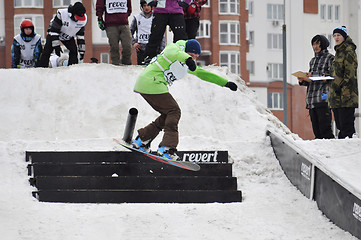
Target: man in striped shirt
[(317, 91)]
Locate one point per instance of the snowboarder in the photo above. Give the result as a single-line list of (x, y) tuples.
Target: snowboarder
[(26, 48), (67, 23), (176, 60)]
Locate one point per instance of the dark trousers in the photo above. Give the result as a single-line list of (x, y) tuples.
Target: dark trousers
[(345, 121), (192, 26), (48, 49), (321, 122), (159, 24), (140, 57), (170, 114)]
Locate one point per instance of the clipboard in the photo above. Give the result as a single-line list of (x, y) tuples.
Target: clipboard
[(301, 74)]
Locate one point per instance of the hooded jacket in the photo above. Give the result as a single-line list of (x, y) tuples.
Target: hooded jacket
[(343, 91), (153, 81)]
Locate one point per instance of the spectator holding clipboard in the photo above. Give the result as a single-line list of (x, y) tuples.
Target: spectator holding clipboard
[(317, 91)]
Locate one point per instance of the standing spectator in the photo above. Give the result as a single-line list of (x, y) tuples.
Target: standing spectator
[(26, 48), (166, 12), (317, 91), (192, 13), (116, 26), (67, 23), (343, 96), (141, 25)]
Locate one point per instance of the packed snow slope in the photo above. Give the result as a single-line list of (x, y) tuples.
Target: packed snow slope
[(83, 107)]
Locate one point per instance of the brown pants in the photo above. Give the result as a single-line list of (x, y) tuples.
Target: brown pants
[(122, 33), (170, 114)]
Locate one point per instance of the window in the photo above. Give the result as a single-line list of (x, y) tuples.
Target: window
[(37, 19), (329, 12), (204, 30), (275, 71), (229, 6), (249, 7), (274, 41), (323, 11), (250, 67), (207, 4), (250, 38), (274, 11), (104, 57), (275, 100), (231, 60), (229, 33), (337, 13), (28, 3)]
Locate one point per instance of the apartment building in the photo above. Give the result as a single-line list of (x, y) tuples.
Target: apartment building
[(303, 20)]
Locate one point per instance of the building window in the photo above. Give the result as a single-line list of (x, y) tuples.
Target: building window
[(204, 30), (323, 11), (229, 6), (231, 60), (337, 13), (274, 11), (250, 38), (229, 33), (275, 100), (275, 71), (28, 3), (63, 3), (104, 57), (207, 4), (274, 41), (249, 7), (250, 67), (37, 19), (329, 12)]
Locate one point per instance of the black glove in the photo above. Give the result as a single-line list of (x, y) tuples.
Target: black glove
[(231, 85), (183, 4), (153, 3), (101, 24), (58, 50), (191, 64)]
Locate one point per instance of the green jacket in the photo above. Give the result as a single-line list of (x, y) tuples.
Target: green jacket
[(343, 91), (152, 79)]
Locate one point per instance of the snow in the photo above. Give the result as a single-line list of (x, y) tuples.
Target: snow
[(83, 107)]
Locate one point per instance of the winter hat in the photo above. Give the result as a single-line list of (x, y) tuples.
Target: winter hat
[(324, 43), (193, 46), (341, 30), (78, 9)]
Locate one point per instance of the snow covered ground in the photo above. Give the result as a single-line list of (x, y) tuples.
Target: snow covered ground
[(83, 107)]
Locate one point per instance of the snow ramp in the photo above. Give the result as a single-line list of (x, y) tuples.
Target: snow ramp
[(337, 197)]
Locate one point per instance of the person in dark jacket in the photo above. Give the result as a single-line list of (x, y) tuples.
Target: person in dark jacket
[(26, 48), (343, 96), (317, 91), (192, 13), (116, 25), (67, 24)]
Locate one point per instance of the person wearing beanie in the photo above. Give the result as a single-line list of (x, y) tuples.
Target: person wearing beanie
[(168, 67), (116, 26), (26, 48), (68, 24), (317, 91), (343, 95), (141, 26)]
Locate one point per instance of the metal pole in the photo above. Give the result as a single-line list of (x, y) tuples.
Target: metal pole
[(129, 127), (285, 112)]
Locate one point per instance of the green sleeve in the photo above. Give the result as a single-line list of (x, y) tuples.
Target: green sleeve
[(209, 76)]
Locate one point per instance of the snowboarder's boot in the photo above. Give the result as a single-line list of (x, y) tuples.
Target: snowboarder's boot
[(170, 153), (141, 145)]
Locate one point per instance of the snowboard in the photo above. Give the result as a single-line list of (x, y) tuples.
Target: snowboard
[(181, 164)]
